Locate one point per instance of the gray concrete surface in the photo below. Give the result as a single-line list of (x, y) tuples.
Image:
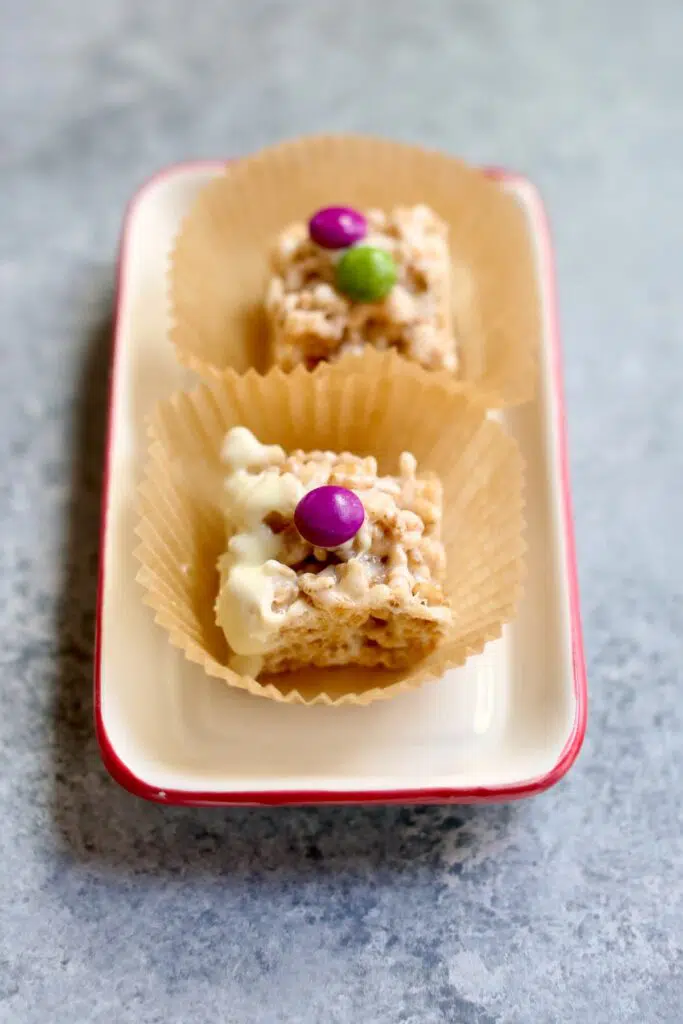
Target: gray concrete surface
[(568, 908)]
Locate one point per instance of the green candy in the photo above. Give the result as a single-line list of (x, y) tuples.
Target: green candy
[(365, 273)]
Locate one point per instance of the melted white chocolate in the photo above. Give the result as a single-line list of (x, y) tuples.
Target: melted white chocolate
[(250, 497), (241, 450), (249, 569)]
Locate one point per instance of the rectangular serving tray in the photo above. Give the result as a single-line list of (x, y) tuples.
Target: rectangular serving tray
[(508, 724)]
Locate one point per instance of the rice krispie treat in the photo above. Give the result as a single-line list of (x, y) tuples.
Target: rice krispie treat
[(328, 563), (347, 280)]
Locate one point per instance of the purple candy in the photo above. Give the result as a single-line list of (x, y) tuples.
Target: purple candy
[(337, 227), (329, 516)]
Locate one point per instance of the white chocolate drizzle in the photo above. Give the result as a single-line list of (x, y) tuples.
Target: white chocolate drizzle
[(249, 568)]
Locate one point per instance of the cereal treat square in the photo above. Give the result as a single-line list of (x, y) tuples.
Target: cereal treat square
[(284, 603), (313, 319)]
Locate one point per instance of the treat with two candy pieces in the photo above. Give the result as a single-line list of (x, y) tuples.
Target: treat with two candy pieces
[(327, 562), (327, 245), (350, 279)]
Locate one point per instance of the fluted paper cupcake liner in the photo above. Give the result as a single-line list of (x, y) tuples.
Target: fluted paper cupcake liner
[(383, 407), (220, 262)]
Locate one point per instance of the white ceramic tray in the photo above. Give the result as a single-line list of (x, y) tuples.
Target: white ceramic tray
[(507, 724)]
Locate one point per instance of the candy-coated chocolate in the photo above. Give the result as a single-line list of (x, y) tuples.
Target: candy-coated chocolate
[(366, 273), (328, 517), (337, 227)]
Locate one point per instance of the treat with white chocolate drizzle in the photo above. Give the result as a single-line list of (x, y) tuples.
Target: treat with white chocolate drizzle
[(327, 562)]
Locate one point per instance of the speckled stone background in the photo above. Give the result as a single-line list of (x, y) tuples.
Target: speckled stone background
[(568, 908)]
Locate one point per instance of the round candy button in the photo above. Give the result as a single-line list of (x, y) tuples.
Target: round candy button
[(329, 516), (337, 227), (366, 274)]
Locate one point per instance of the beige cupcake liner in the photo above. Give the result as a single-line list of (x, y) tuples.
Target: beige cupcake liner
[(219, 266), (382, 407)]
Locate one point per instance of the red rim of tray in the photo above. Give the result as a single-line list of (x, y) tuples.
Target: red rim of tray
[(479, 794)]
